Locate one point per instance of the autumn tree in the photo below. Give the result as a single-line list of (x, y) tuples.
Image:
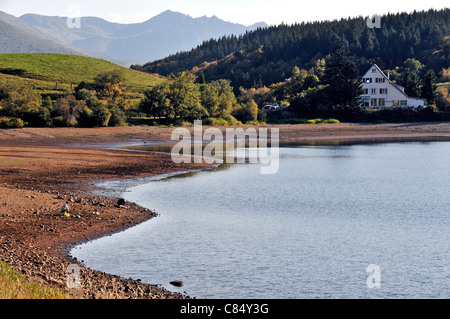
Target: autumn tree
[(69, 110), (110, 84)]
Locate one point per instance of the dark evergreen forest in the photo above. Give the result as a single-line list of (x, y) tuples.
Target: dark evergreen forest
[(269, 55)]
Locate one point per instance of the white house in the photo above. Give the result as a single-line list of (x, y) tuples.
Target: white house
[(380, 92)]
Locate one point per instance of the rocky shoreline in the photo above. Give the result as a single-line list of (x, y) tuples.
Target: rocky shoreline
[(39, 172), (35, 239)]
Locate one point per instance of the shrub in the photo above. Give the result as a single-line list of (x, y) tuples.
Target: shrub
[(11, 122), (98, 116), (216, 121), (118, 117), (331, 121)]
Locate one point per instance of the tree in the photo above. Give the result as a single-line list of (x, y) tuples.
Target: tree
[(18, 100), (413, 66), (341, 74), (156, 101), (69, 110), (110, 84), (176, 97), (247, 112), (117, 110), (218, 98), (429, 87), (411, 82), (309, 103)]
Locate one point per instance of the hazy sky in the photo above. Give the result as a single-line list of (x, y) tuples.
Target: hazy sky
[(238, 11)]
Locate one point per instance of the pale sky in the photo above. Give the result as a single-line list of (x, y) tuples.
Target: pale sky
[(244, 12)]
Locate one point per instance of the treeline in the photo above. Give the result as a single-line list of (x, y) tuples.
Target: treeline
[(330, 89), (180, 99), (266, 56), (101, 103)]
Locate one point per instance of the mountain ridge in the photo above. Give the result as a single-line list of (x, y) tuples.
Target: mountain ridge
[(162, 35)]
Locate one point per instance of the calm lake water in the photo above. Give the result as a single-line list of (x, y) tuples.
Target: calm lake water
[(309, 231)]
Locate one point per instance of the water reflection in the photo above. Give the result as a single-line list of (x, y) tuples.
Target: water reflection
[(309, 231)]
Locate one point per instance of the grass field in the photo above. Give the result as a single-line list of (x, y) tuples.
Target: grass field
[(66, 70), (14, 286)]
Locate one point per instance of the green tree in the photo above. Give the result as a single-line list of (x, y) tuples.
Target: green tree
[(411, 82), (88, 96), (247, 112), (18, 101), (413, 66), (429, 87), (218, 98), (117, 110), (177, 97), (156, 101), (309, 103), (341, 74)]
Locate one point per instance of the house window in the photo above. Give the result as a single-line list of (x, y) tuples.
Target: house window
[(367, 80), (374, 70), (383, 91), (381, 102), (403, 102), (366, 91), (365, 101), (395, 103), (373, 102), (379, 80), (374, 91)]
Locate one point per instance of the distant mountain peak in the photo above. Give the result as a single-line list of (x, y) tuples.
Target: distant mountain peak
[(165, 34)]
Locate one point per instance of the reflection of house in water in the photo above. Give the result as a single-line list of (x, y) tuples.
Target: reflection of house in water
[(379, 91)]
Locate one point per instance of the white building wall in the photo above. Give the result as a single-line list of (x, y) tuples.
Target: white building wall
[(380, 92)]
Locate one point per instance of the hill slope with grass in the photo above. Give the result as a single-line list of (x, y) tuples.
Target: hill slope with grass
[(41, 89), (65, 71)]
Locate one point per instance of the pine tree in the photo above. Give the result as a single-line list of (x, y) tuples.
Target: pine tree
[(342, 74), (429, 87), (410, 80)]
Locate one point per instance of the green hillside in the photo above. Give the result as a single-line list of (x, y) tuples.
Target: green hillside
[(66, 70)]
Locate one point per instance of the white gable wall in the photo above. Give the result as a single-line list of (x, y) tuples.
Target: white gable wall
[(379, 91)]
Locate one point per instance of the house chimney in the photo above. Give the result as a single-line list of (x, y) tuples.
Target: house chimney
[(388, 76)]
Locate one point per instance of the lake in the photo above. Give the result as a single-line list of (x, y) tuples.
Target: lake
[(309, 231)]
